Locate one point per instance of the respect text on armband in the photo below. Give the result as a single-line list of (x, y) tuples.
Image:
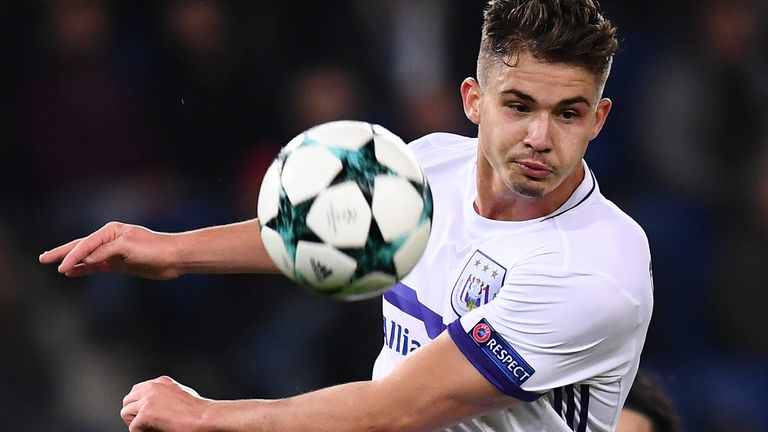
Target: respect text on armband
[(500, 352)]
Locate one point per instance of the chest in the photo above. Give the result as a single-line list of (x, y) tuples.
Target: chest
[(465, 265)]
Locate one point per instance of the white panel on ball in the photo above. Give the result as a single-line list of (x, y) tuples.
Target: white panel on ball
[(314, 162), (346, 134), (397, 206), (322, 266), (369, 286), (275, 246), (340, 216), (269, 196), (294, 143), (392, 152), (410, 252)]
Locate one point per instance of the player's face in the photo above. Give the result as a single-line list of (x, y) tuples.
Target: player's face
[(535, 120)]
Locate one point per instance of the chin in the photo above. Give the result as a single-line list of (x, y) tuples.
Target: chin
[(529, 191)]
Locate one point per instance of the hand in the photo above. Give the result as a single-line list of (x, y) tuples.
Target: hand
[(117, 247), (163, 405)]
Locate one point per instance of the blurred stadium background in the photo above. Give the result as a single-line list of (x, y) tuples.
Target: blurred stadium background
[(166, 114)]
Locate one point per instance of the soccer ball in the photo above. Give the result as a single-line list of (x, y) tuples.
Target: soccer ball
[(345, 209)]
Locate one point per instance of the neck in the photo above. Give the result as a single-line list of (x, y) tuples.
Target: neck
[(496, 201)]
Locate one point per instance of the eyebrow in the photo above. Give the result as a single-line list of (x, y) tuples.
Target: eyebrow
[(528, 98)]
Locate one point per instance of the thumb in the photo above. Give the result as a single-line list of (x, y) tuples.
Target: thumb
[(104, 252)]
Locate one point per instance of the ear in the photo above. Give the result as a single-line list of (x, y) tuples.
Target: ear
[(601, 114), (470, 96)]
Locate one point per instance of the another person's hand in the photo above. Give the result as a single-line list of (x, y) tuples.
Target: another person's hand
[(117, 247), (163, 404)]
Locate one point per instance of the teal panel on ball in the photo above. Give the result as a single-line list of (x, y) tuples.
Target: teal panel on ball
[(360, 166), (290, 222)]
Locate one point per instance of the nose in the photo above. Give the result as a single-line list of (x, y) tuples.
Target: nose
[(538, 136)]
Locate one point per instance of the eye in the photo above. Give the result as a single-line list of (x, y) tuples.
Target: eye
[(570, 115), (519, 107)]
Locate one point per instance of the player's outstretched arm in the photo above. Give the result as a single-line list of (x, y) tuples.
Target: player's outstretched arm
[(138, 251), (433, 388)]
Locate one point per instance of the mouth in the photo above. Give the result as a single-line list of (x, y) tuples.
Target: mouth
[(533, 169)]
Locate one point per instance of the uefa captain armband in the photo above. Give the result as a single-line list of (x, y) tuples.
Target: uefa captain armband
[(500, 352)]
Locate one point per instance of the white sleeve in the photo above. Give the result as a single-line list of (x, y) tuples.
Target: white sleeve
[(547, 329)]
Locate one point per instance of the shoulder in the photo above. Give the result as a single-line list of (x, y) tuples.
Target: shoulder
[(595, 226), (608, 230), (444, 140), (604, 220), (610, 252), (594, 257), (441, 147)]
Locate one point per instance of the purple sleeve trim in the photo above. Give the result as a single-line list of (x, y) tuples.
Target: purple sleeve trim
[(484, 363)]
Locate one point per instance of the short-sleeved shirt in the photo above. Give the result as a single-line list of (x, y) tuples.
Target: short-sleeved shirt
[(552, 311)]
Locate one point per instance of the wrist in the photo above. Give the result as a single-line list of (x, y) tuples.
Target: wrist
[(230, 416), (176, 256), (209, 415), (195, 252)]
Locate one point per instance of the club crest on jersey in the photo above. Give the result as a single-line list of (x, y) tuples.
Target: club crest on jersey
[(479, 282)]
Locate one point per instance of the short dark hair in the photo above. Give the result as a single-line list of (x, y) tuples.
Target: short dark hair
[(559, 31), (647, 398)]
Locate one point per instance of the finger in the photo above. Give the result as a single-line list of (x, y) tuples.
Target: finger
[(137, 392), (88, 269), (136, 426), (130, 411), (142, 423), (86, 246), (58, 253)]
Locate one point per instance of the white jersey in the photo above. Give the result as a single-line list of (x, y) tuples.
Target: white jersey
[(552, 311)]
